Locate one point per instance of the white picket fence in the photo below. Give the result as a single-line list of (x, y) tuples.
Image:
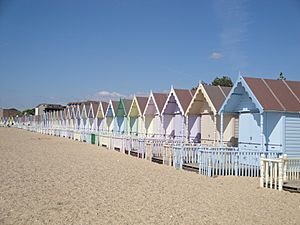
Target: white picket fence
[(275, 172), (220, 161)]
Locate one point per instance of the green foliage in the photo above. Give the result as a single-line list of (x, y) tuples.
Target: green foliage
[(222, 81), (28, 112), (281, 76), (195, 88)]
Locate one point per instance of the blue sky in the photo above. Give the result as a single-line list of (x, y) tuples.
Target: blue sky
[(66, 50)]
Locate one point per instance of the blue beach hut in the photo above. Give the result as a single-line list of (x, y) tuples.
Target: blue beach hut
[(269, 114)]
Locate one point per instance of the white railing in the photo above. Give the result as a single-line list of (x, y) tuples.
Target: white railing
[(220, 161), (275, 172)]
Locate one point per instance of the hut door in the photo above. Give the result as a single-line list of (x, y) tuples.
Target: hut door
[(178, 126), (134, 125), (120, 124), (156, 126), (194, 127), (249, 131), (168, 125), (149, 124)]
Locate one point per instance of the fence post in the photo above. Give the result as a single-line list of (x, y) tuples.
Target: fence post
[(262, 170), (181, 156), (150, 149), (209, 165), (236, 161), (280, 175), (285, 162)]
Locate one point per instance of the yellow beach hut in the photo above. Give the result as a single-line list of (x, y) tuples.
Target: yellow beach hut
[(204, 121), (136, 118)]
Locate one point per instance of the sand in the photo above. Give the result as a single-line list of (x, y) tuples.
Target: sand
[(52, 180)]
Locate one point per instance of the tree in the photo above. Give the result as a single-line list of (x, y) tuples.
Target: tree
[(281, 76), (196, 87), (28, 112), (222, 81)]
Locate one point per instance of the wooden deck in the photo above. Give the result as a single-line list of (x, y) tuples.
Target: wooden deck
[(293, 186)]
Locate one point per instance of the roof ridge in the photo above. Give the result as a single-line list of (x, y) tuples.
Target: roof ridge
[(291, 90), (273, 94), (222, 91)]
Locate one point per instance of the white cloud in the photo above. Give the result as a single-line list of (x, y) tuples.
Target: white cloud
[(216, 55), (142, 94), (107, 95), (110, 94), (234, 20)]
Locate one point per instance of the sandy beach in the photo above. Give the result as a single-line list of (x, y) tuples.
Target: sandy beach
[(52, 180)]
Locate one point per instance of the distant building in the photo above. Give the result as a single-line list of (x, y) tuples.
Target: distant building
[(9, 112), (44, 107)]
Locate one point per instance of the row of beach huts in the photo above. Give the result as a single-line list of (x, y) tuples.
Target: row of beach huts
[(251, 129)]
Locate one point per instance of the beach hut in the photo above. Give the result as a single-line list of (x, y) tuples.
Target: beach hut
[(100, 116), (268, 111), (48, 122), (173, 113), (152, 114), (73, 120), (2, 121), (58, 122), (109, 125), (85, 134), (121, 119), (64, 122), (77, 120), (99, 121), (91, 115), (69, 123), (135, 115), (203, 121)]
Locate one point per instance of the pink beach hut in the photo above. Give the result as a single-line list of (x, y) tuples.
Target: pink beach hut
[(153, 114), (173, 113), (92, 113)]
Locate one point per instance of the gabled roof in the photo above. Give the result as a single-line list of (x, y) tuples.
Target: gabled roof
[(60, 114), (140, 103), (113, 105), (160, 100), (276, 95), (73, 112), (84, 108), (214, 96), (65, 113), (217, 95), (102, 108), (268, 94), (123, 107), (94, 105), (77, 110), (127, 104), (183, 98)]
